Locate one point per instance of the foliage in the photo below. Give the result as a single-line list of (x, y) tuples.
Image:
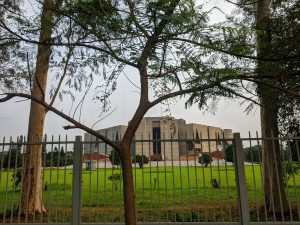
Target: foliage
[(57, 158), (290, 169), (13, 74), (229, 153), (114, 158), (141, 160), (285, 44), (294, 146), (253, 154), (13, 157), (205, 159), (115, 179), (17, 177)]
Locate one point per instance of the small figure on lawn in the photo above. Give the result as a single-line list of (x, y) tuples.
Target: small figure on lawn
[(214, 183)]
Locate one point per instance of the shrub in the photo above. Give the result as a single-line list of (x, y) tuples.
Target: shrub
[(114, 158), (141, 160), (229, 153), (16, 177), (290, 169), (253, 154), (115, 179), (205, 159)]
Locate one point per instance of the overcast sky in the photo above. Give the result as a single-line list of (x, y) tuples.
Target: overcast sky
[(229, 114)]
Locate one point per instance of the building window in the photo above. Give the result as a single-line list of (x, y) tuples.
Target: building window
[(219, 140), (156, 136), (197, 137), (97, 143)]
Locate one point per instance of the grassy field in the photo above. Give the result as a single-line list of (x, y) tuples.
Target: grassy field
[(162, 194)]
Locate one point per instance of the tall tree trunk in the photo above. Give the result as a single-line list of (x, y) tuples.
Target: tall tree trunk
[(275, 196), (128, 187), (31, 198)]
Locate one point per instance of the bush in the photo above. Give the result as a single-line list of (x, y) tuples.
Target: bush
[(205, 159), (289, 169), (13, 156), (253, 154), (16, 177), (141, 160), (58, 158), (229, 153), (115, 179), (114, 158)]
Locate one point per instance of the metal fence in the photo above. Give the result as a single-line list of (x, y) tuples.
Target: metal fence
[(175, 186)]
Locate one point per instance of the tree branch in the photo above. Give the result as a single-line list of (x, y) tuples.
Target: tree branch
[(61, 114), (80, 44), (272, 86), (187, 91), (296, 57)]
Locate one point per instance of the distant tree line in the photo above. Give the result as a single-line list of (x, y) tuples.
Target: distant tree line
[(58, 157), (13, 157)]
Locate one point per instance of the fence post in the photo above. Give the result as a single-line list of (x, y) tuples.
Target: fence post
[(77, 181), (241, 187)]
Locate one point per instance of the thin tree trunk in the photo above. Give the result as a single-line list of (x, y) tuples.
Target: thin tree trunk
[(128, 187), (31, 199), (275, 196)]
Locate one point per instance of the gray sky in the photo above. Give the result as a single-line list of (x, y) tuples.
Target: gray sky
[(14, 115)]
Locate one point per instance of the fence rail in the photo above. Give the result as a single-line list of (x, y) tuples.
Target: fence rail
[(174, 183)]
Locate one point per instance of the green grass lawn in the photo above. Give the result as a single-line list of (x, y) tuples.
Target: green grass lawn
[(162, 194)]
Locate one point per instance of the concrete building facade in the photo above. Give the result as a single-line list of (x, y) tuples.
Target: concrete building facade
[(164, 138)]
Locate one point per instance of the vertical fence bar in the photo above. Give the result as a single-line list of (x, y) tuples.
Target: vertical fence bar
[(135, 179), (196, 138), (77, 180), (143, 180), (188, 179), (297, 147), (180, 175), (158, 138), (219, 176), (14, 179), (204, 183), (293, 175), (121, 177), (35, 173), (241, 186), (271, 183), (22, 179), (254, 177), (2, 158), (165, 173), (226, 174), (57, 179), (173, 177), (97, 181), (262, 179), (211, 174), (7, 175), (150, 170), (90, 167), (44, 154), (50, 180), (105, 175), (277, 176), (286, 187), (65, 178)]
